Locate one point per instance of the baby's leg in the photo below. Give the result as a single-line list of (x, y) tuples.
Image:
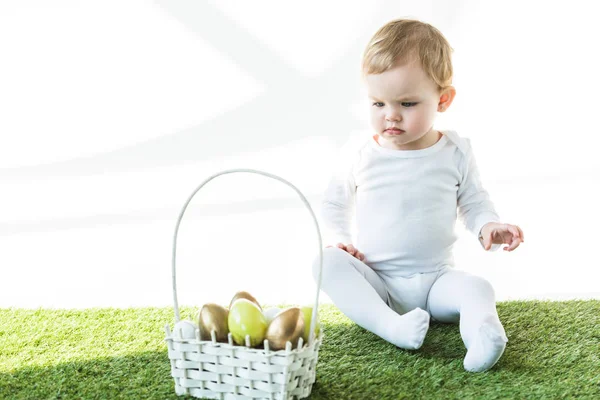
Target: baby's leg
[(457, 295), (361, 295)]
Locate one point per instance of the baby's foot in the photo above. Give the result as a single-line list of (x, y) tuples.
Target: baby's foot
[(411, 329), (487, 346)]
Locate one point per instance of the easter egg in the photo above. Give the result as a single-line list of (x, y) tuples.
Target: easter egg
[(246, 318), (287, 326), (184, 329), (213, 317), (307, 312), (244, 295)]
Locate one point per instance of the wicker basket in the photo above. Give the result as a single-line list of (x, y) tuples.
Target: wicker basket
[(209, 369)]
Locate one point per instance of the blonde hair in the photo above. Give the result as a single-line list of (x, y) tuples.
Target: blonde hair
[(404, 40)]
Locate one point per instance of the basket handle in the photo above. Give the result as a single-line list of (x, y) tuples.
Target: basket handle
[(312, 214)]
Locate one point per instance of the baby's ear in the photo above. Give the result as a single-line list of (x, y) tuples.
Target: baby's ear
[(446, 98)]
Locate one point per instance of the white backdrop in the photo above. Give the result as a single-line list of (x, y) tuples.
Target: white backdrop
[(112, 112)]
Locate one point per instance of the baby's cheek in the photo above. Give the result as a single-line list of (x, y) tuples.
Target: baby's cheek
[(376, 120), (424, 121), (416, 124)]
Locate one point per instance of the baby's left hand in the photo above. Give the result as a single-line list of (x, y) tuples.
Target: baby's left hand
[(497, 233)]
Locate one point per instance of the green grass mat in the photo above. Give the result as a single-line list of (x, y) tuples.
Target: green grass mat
[(553, 353)]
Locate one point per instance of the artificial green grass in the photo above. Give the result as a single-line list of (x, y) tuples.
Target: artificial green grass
[(553, 353)]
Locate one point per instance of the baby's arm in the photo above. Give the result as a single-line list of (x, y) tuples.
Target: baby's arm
[(337, 212), (475, 208), (337, 216), (337, 208)]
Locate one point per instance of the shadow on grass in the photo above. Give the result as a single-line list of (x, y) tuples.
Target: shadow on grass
[(443, 342), (137, 376)]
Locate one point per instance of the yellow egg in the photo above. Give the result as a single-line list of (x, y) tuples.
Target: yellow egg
[(307, 312), (244, 295), (213, 317), (287, 326), (246, 319)]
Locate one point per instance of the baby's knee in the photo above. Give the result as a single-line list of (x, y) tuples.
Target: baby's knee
[(480, 285), (332, 256)]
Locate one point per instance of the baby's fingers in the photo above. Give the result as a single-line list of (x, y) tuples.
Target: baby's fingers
[(522, 234), (513, 245), (351, 249), (514, 231), (354, 252)]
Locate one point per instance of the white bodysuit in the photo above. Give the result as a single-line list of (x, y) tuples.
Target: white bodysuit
[(399, 208), (405, 204)]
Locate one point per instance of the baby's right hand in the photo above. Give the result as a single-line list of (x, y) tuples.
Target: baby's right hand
[(351, 250)]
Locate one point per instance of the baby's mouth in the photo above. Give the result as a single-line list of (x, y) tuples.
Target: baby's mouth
[(394, 131)]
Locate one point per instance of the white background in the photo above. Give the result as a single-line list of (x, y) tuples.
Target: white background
[(113, 112)]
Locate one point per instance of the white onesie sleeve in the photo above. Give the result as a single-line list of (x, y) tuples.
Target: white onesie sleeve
[(475, 208), (337, 208)]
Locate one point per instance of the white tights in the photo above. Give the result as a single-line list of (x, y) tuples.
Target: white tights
[(399, 310)]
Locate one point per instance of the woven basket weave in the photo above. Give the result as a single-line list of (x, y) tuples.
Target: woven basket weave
[(209, 369)]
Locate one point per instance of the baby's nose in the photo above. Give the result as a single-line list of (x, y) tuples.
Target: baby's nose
[(393, 115)]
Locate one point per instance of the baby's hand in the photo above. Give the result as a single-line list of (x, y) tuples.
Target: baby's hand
[(497, 233), (351, 250)]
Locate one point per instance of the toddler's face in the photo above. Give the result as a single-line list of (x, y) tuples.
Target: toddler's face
[(405, 98)]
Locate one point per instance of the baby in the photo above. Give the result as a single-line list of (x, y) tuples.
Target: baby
[(402, 189)]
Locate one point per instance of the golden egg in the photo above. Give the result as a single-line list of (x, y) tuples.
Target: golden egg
[(244, 295), (287, 326), (213, 317)]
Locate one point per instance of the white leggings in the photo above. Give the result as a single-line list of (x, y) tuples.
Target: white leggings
[(370, 299)]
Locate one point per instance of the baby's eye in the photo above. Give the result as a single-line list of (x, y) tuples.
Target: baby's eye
[(409, 104), (378, 104)]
